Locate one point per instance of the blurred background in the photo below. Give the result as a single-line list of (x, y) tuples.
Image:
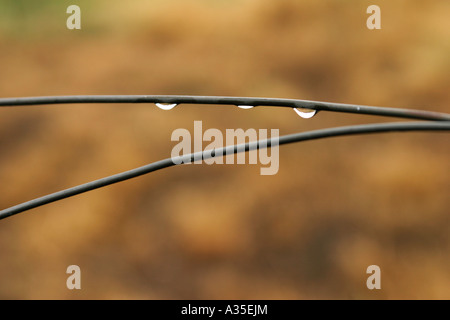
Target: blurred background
[(335, 207)]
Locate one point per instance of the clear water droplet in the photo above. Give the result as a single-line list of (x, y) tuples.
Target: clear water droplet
[(305, 115), (245, 107), (166, 106)]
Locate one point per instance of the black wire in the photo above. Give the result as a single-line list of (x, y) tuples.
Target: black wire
[(297, 137), (274, 102)]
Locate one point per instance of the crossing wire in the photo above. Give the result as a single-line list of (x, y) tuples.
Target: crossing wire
[(207, 154)]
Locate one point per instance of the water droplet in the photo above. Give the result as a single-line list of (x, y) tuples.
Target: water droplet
[(166, 106), (305, 115), (245, 107)]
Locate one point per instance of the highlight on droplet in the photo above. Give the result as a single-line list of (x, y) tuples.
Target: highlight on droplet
[(245, 107), (305, 115), (166, 106)]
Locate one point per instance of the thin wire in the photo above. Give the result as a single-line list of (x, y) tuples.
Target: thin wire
[(297, 137), (274, 102)]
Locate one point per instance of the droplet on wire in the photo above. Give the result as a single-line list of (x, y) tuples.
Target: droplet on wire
[(166, 106), (245, 107), (305, 115)]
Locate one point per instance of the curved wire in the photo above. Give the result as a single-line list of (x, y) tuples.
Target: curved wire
[(297, 137), (238, 101)]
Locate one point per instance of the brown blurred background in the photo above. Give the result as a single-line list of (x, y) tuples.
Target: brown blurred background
[(335, 207)]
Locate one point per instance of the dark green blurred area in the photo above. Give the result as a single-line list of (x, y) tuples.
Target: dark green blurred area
[(26, 20), (224, 232)]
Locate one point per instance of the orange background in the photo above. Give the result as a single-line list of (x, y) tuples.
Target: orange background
[(335, 207)]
